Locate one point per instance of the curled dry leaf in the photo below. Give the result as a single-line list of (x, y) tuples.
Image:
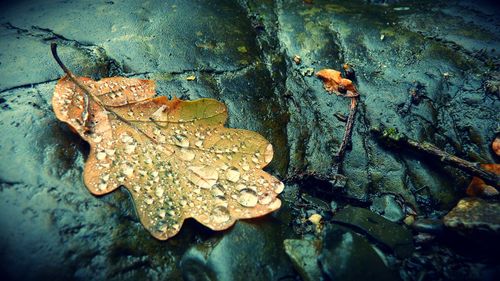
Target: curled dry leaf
[(174, 156), (478, 187), (333, 82)]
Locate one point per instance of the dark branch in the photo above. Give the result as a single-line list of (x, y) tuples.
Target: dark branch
[(392, 137)]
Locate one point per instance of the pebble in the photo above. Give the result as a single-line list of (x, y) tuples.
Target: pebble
[(409, 220), (315, 219)]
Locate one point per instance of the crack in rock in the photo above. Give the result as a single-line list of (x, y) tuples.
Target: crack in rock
[(29, 85), (95, 52)]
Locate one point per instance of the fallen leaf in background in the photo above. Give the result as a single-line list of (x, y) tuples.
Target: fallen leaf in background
[(333, 82), (495, 145), (174, 156), (478, 187)]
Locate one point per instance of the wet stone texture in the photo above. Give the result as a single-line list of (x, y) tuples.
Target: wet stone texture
[(393, 236), (303, 254), (241, 53), (240, 255), (348, 256), (474, 215)]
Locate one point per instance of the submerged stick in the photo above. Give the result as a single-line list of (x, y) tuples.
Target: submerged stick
[(392, 137)]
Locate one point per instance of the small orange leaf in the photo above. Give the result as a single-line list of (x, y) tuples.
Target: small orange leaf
[(478, 187), (495, 145), (333, 82), (175, 157)]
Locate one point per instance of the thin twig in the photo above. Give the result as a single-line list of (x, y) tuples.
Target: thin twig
[(348, 129)]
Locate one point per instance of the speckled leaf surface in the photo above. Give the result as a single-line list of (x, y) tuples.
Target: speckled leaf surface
[(175, 157)]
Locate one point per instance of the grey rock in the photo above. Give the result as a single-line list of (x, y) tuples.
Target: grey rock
[(348, 256), (394, 236), (387, 206), (304, 255)]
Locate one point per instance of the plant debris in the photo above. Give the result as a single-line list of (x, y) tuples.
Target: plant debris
[(297, 59), (478, 187), (495, 145), (309, 71), (391, 137), (416, 93), (334, 83)]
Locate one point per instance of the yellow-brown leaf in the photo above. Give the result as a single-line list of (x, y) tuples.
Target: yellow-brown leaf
[(175, 157)]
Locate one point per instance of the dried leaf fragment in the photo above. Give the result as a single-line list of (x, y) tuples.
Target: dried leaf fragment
[(297, 59), (495, 145), (478, 187), (175, 157), (334, 83)]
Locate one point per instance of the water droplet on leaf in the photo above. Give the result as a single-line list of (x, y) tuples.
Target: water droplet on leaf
[(187, 155), (220, 214), (203, 176), (100, 156), (181, 140), (232, 174), (248, 198)]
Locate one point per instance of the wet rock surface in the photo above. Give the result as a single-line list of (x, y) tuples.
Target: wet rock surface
[(348, 256), (242, 53), (304, 256), (388, 207), (394, 236), (474, 216), (246, 250)]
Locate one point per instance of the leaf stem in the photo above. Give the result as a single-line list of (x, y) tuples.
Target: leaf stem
[(85, 113), (71, 76), (89, 94)]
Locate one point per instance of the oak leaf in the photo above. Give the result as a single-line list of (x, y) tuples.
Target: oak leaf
[(175, 157)]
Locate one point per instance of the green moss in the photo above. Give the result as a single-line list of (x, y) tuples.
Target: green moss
[(392, 134), (242, 49)]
